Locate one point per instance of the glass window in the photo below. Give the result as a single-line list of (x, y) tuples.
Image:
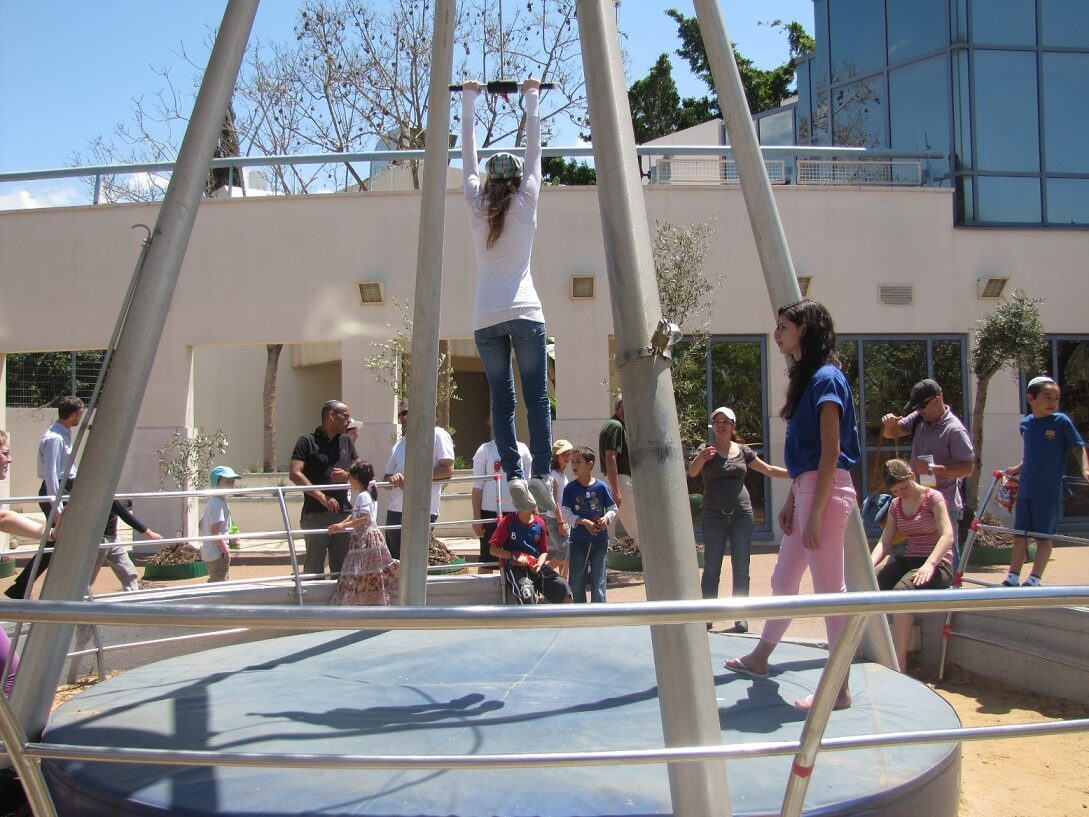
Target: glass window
[(857, 30), (958, 21), (966, 201), (949, 372), (1069, 365), (737, 381), (805, 102), (858, 113), (820, 123), (1004, 22), (1068, 201), (777, 128), (962, 130), (919, 106), (915, 27), (1009, 200), (1006, 122), (1066, 78), (891, 368), (1064, 23)]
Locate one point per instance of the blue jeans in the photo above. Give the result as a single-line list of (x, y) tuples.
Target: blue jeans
[(494, 344), (594, 555), (718, 529)]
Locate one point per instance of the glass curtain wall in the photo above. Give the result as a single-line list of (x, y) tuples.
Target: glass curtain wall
[(996, 85)]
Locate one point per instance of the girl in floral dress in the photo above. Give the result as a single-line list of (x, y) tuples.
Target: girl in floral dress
[(369, 575)]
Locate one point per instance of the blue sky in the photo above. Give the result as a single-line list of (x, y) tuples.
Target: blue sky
[(69, 71)]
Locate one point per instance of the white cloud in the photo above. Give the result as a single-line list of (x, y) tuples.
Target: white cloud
[(36, 196)]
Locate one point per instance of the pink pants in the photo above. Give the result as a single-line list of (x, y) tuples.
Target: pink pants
[(825, 563)]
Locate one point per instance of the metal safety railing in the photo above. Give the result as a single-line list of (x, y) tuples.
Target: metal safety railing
[(296, 576), (816, 153), (959, 580), (862, 172), (710, 170), (25, 754)]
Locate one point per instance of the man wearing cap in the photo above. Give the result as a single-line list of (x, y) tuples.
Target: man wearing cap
[(323, 457), (612, 444), (216, 519), (938, 435)]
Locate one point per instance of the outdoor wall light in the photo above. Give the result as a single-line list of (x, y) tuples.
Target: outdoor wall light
[(803, 284), (582, 287), (370, 292), (991, 286)]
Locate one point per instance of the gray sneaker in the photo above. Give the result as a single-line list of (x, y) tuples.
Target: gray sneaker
[(541, 488), (520, 495)]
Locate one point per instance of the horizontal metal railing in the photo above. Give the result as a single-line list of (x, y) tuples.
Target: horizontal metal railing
[(854, 605), (795, 152)]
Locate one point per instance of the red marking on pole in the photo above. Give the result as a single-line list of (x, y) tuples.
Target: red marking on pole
[(947, 631), (800, 770), (975, 525)]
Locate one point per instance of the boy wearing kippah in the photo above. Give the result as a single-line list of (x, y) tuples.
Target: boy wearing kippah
[(1049, 436)]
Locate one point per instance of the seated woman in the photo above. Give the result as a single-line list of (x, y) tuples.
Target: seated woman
[(926, 563)]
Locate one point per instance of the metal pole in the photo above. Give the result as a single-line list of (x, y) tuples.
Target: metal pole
[(835, 672), (776, 263), (682, 657), (299, 592), (859, 576), (46, 646), (423, 389), (767, 229)]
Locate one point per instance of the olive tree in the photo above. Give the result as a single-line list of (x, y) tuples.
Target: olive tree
[(1012, 334)]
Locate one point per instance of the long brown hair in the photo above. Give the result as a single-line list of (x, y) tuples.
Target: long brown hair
[(818, 344), (497, 197)]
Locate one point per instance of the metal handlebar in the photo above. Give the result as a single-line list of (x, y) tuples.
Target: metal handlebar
[(504, 86)]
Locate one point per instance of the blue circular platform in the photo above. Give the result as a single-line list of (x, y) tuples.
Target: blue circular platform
[(477, 692)]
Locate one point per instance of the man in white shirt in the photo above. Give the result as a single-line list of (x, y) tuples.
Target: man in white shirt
[(53, 452), (443, 468), (486, 464)]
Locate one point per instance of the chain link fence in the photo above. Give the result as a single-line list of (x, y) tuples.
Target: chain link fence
[(40, 379)]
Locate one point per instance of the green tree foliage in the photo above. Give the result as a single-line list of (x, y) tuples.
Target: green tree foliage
[(657, 108), (1012, 334), (557, 170), (764, 89), (684, 291)]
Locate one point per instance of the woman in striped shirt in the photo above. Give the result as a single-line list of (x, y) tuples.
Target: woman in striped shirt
[(926, 563)]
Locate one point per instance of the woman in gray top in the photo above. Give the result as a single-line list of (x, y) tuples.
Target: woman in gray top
[(727, 512)]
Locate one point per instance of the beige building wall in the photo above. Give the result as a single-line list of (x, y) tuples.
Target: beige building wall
[(285, 270)]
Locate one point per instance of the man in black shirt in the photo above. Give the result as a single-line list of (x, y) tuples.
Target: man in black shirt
[(322, 458)]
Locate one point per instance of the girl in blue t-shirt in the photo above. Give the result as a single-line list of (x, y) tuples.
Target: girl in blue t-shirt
[(821, 448)]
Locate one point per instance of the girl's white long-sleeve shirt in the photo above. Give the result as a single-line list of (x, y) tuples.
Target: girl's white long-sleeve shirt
[(504, 284)]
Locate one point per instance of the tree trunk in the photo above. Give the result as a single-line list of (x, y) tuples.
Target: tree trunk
[(271, 366), (971, 488)]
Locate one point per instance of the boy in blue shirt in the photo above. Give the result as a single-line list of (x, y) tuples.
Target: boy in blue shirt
[(1049, 436), (588, 507), (520, 543)]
